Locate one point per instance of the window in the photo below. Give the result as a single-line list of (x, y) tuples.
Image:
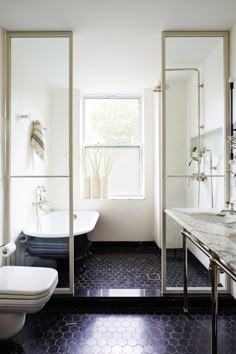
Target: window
[(112, 131)]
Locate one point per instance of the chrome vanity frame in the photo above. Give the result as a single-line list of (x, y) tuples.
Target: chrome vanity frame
[(216, 263)]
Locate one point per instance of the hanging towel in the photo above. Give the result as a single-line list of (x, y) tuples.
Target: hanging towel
[(37, 140)]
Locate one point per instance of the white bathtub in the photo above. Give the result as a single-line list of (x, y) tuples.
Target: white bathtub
[(56, 224)]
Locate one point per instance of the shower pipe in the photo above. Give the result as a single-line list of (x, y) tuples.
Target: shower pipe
[(232, 129), (198, 115), (211, 175)]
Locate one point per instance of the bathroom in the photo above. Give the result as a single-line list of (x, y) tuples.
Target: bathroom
[(129, 227)]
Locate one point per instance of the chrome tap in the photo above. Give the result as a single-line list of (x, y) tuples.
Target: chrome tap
[(40, 204), (231, 209)]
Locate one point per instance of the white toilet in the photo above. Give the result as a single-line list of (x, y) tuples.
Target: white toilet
[(23, 290)]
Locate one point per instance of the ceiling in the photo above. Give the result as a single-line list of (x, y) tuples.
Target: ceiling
[(81, 14), (117, 43)]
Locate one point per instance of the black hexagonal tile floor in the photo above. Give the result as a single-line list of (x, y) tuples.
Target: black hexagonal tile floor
[(137, 267), (83, 331)]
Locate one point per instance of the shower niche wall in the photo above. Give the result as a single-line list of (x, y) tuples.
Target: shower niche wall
[(194, 100), (39, 149)]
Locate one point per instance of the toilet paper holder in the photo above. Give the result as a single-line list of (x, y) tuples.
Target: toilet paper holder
[(4, 250), (8, 249)]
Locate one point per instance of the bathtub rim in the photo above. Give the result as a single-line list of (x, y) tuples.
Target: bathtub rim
[(31, 229)]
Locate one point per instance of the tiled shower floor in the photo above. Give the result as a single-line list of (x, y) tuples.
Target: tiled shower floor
[(136, 267), (93, 330)]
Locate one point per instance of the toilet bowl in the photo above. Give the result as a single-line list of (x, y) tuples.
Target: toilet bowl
[(23, 290)]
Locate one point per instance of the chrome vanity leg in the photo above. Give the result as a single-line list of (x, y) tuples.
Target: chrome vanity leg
[(185, 255), (214, 309)]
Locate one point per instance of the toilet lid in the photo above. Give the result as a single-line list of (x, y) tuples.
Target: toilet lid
[(26, 281)]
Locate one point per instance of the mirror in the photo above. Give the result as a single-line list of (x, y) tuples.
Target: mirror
[(194, 118)]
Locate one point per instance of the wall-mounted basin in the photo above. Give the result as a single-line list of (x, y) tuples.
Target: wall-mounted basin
[(233, 239), (214, 218)]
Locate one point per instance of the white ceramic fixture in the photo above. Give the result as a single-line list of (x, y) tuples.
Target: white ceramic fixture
[(23, 290), (216, 218), (56, 224)]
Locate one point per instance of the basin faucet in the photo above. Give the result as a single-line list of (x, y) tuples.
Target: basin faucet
[(231, 209)]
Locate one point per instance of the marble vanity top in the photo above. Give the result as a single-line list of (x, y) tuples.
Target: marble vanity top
[(217, 234)]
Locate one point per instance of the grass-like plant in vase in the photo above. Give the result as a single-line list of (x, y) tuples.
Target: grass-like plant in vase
[(86, 178), (95, 157)]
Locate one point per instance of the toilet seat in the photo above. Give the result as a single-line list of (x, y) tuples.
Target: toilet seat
[(25, 305), (26, 289), (16, 296), (26, 283), (23, 290)]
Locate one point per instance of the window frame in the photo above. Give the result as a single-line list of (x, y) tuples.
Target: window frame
[(139, 145)]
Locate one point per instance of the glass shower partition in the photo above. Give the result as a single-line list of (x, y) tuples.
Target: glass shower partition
[(39, 151), (194, 106)]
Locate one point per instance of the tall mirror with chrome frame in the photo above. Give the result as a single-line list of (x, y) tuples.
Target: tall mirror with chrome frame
[(195, 150)]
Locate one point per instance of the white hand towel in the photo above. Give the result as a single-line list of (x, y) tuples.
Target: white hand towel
[(37, 140)]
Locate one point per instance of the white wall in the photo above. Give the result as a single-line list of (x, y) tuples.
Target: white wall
[(212, 118), (233, 75), (120, 220), (176, 137), (58, 133), (29, 95), (213, 81), (213, 121), (110, 57), (181, 111), (98, 69), (111, 61), (39, 66), (106, 62)]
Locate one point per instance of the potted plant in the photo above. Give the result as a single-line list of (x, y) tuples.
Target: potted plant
[(86, 178), (95, 158)]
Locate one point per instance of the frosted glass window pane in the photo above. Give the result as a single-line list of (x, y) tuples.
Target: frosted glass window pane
[(125, 171), (112, 121), (125, 176)]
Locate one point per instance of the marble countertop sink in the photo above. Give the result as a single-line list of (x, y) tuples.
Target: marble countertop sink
[(213, 217), (215, 230)]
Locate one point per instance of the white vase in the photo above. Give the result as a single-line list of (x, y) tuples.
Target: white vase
[(87, 187), (104, 187), (95, 187)]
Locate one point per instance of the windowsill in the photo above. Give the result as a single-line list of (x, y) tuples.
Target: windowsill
[(126, 198), (116, 198)]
